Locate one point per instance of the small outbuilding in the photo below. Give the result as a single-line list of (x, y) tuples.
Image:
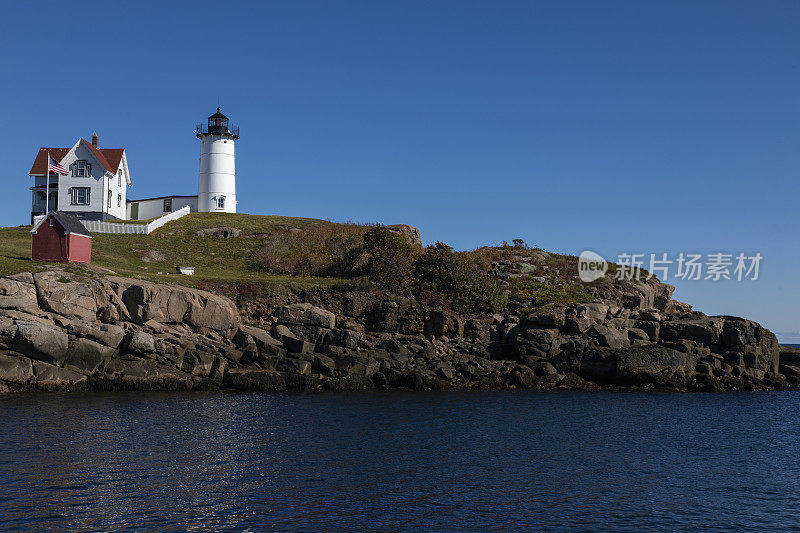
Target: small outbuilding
[(60, 237)]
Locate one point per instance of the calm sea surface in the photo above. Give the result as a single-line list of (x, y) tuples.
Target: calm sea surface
[(400, 461)]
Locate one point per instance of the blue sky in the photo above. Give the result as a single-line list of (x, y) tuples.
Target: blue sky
[(645, 127)]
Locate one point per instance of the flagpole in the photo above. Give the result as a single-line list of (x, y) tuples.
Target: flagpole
[(47, 187)]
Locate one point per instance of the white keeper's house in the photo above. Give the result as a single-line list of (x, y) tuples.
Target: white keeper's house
[(95, 188)]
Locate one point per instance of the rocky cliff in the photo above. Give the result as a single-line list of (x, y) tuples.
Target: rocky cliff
[(62, 331)]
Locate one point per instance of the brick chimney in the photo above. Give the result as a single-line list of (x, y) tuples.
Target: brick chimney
[(95, 140)]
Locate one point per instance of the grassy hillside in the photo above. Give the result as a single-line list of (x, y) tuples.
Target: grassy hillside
[(216, 260)]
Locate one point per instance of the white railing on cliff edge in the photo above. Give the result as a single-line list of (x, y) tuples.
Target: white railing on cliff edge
[(96, 226)]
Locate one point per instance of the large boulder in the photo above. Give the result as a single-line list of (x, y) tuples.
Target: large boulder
[(610, 337), (140, 342), (304, 314), (86, 356), (106, 334), (66, 295), (17, 295), (410, 233), (593, 311), (41, 341), (15, 368), (127, 373), (172, 304), (49, 377), (445, 323), (748, 337), (704, 330), (637, 365), (346, 338)]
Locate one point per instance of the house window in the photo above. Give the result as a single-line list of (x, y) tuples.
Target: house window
[(81, 169), (119, 200), (220, 202), (110, 196), (168, 205), (81, 195), (119, 178), (41, 196)]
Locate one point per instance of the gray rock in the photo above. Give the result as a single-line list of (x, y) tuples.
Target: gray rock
[(638, 364), (19, 296), (293, 344), (444, 323), (542, 368), (577, 325), (140, 342), (107, 334), (410, 233), (41, 341), (346, 338), (61, 295), (86, 356), (48, 377), (593, 311), (144, 374), (635, 334), (704, 331), (323, 364), (15, 369), (305, 314), (652, 329), (261, 338), (297, 366), (610, 337), (444, 371)]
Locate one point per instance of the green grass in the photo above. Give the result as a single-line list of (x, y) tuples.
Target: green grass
[(229, 265), (541, 295)]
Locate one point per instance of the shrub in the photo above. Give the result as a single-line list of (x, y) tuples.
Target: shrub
[(389, 260), (540, 295), (463, 280), (322, 249)]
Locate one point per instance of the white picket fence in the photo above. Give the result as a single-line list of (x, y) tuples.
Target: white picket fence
[(96, 226)]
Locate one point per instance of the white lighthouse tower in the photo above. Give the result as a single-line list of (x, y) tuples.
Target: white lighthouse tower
[(217, 191)]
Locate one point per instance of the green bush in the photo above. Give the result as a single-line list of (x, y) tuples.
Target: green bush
[(390, 260), (541, 295), (321, 249), (468, 286)]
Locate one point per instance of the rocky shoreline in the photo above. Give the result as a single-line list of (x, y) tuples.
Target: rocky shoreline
[(61, 331)]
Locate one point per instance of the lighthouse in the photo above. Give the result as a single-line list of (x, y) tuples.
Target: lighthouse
[(217, 189)]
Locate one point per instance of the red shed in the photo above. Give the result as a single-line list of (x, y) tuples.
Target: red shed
[(61, 237)]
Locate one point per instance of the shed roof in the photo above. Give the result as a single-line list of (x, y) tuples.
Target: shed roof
[(68, 221)]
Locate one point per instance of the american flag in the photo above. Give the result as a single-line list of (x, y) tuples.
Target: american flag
[(55, 166)]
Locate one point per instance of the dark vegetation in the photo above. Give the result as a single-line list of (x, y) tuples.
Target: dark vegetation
[(457, 280)]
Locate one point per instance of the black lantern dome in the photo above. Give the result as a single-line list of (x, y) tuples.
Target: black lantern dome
[(218, 125)]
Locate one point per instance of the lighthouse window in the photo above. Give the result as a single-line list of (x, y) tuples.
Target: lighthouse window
[(168, 205), (220, 202)]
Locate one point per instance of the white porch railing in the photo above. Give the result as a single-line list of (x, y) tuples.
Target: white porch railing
[(96, 226)]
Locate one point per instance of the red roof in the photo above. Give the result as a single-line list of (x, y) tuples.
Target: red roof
[(108, 157)]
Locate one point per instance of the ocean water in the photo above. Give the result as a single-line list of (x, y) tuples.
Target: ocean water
[(500, 461)]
